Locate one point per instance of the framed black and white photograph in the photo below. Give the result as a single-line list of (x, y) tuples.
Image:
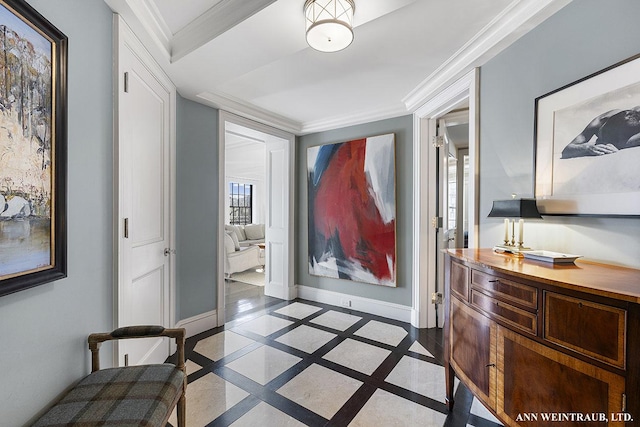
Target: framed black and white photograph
[(33, 148), (587, 137)]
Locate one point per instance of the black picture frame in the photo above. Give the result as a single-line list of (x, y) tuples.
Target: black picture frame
[(570, 183), (35, 109)]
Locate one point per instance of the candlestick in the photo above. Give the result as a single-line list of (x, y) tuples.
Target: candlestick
[(506, 231), (521, 232)]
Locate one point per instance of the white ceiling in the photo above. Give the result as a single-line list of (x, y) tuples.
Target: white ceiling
[(245, 158), (251, 57)]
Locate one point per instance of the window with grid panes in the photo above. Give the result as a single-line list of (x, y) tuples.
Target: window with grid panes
[(240, 203)]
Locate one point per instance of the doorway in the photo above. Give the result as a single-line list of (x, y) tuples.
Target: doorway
[(245, 186), (429, 171), (272, 185), (452, 188)]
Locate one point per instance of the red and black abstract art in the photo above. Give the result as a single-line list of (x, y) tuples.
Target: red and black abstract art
[(352, 210)]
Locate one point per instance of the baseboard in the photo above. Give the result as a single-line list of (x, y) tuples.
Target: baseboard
[(200, 323), (366, 305)]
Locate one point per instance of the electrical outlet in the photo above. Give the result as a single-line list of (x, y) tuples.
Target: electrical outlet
[(346, 303)]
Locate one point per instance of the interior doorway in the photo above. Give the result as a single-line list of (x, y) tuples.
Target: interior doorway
[(431, 167), (452, 151), (256, 168), (245, 186)]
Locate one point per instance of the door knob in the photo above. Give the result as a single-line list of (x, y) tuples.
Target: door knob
[(168, 251)]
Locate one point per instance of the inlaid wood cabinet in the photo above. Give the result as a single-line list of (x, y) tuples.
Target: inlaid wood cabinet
[(542, 344)]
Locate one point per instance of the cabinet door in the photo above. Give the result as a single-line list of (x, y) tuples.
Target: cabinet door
[(473, 351), (459, 280), (536, 383)]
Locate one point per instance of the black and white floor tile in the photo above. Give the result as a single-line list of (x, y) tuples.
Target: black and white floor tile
[(303, 363)]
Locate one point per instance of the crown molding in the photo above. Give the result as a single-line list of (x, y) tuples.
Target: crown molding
[(249, 111), (516, 20), (146, 25), (153, 21), (353, 119), (220, 18)]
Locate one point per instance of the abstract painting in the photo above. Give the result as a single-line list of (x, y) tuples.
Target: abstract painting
[(32, 148), (352, 210)]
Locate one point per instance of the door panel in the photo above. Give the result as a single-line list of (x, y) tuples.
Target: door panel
[(534, 379), (473, 350), (143, 172), (148, 155), (277, 230)]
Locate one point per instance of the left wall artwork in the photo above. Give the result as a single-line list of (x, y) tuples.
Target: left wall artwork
[(33, 133), (55, 319)]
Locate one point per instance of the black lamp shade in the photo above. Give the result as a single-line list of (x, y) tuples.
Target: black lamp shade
[(515, 208)]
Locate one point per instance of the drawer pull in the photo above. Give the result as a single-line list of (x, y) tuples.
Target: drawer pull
[(491, 365), (494, 281)]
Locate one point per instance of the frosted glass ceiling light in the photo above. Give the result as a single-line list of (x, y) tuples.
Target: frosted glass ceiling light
[(329, 24)]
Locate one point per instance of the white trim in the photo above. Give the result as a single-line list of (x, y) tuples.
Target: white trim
[(249, 111), (153, 23), (200, 323), (424, 197), (222, 201), (353, 119), (420, 297), (366, 305), (515, 21), (145, 25)]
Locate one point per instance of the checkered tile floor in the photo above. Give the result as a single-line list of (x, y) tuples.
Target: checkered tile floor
[(303, 363)]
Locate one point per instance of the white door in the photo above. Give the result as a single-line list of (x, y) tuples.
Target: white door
[(279, 270), (443, 230), (451, 189), (144, 157)]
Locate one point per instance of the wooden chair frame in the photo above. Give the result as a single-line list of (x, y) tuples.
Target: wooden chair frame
[(130, 332)]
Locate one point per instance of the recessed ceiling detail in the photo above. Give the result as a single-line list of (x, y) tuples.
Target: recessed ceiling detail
[(252, 58)]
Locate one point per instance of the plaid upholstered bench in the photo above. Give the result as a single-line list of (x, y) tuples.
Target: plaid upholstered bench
[(129, 396)]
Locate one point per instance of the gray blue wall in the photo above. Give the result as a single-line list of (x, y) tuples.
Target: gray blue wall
[(197, 208), (403, 129), (43, 330), (582, 38)]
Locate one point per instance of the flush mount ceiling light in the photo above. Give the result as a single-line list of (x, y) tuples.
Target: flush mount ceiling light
[(329, 24)]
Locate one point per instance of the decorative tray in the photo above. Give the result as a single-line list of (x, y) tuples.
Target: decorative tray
[(548, 256)]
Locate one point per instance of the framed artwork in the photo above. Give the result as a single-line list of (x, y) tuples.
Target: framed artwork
[(352, 210), (33, 134), (588, 145)]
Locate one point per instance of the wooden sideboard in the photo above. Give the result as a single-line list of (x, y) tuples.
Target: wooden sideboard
[(542, 344)]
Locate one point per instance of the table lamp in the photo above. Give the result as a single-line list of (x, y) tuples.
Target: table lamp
[(514, 208)]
